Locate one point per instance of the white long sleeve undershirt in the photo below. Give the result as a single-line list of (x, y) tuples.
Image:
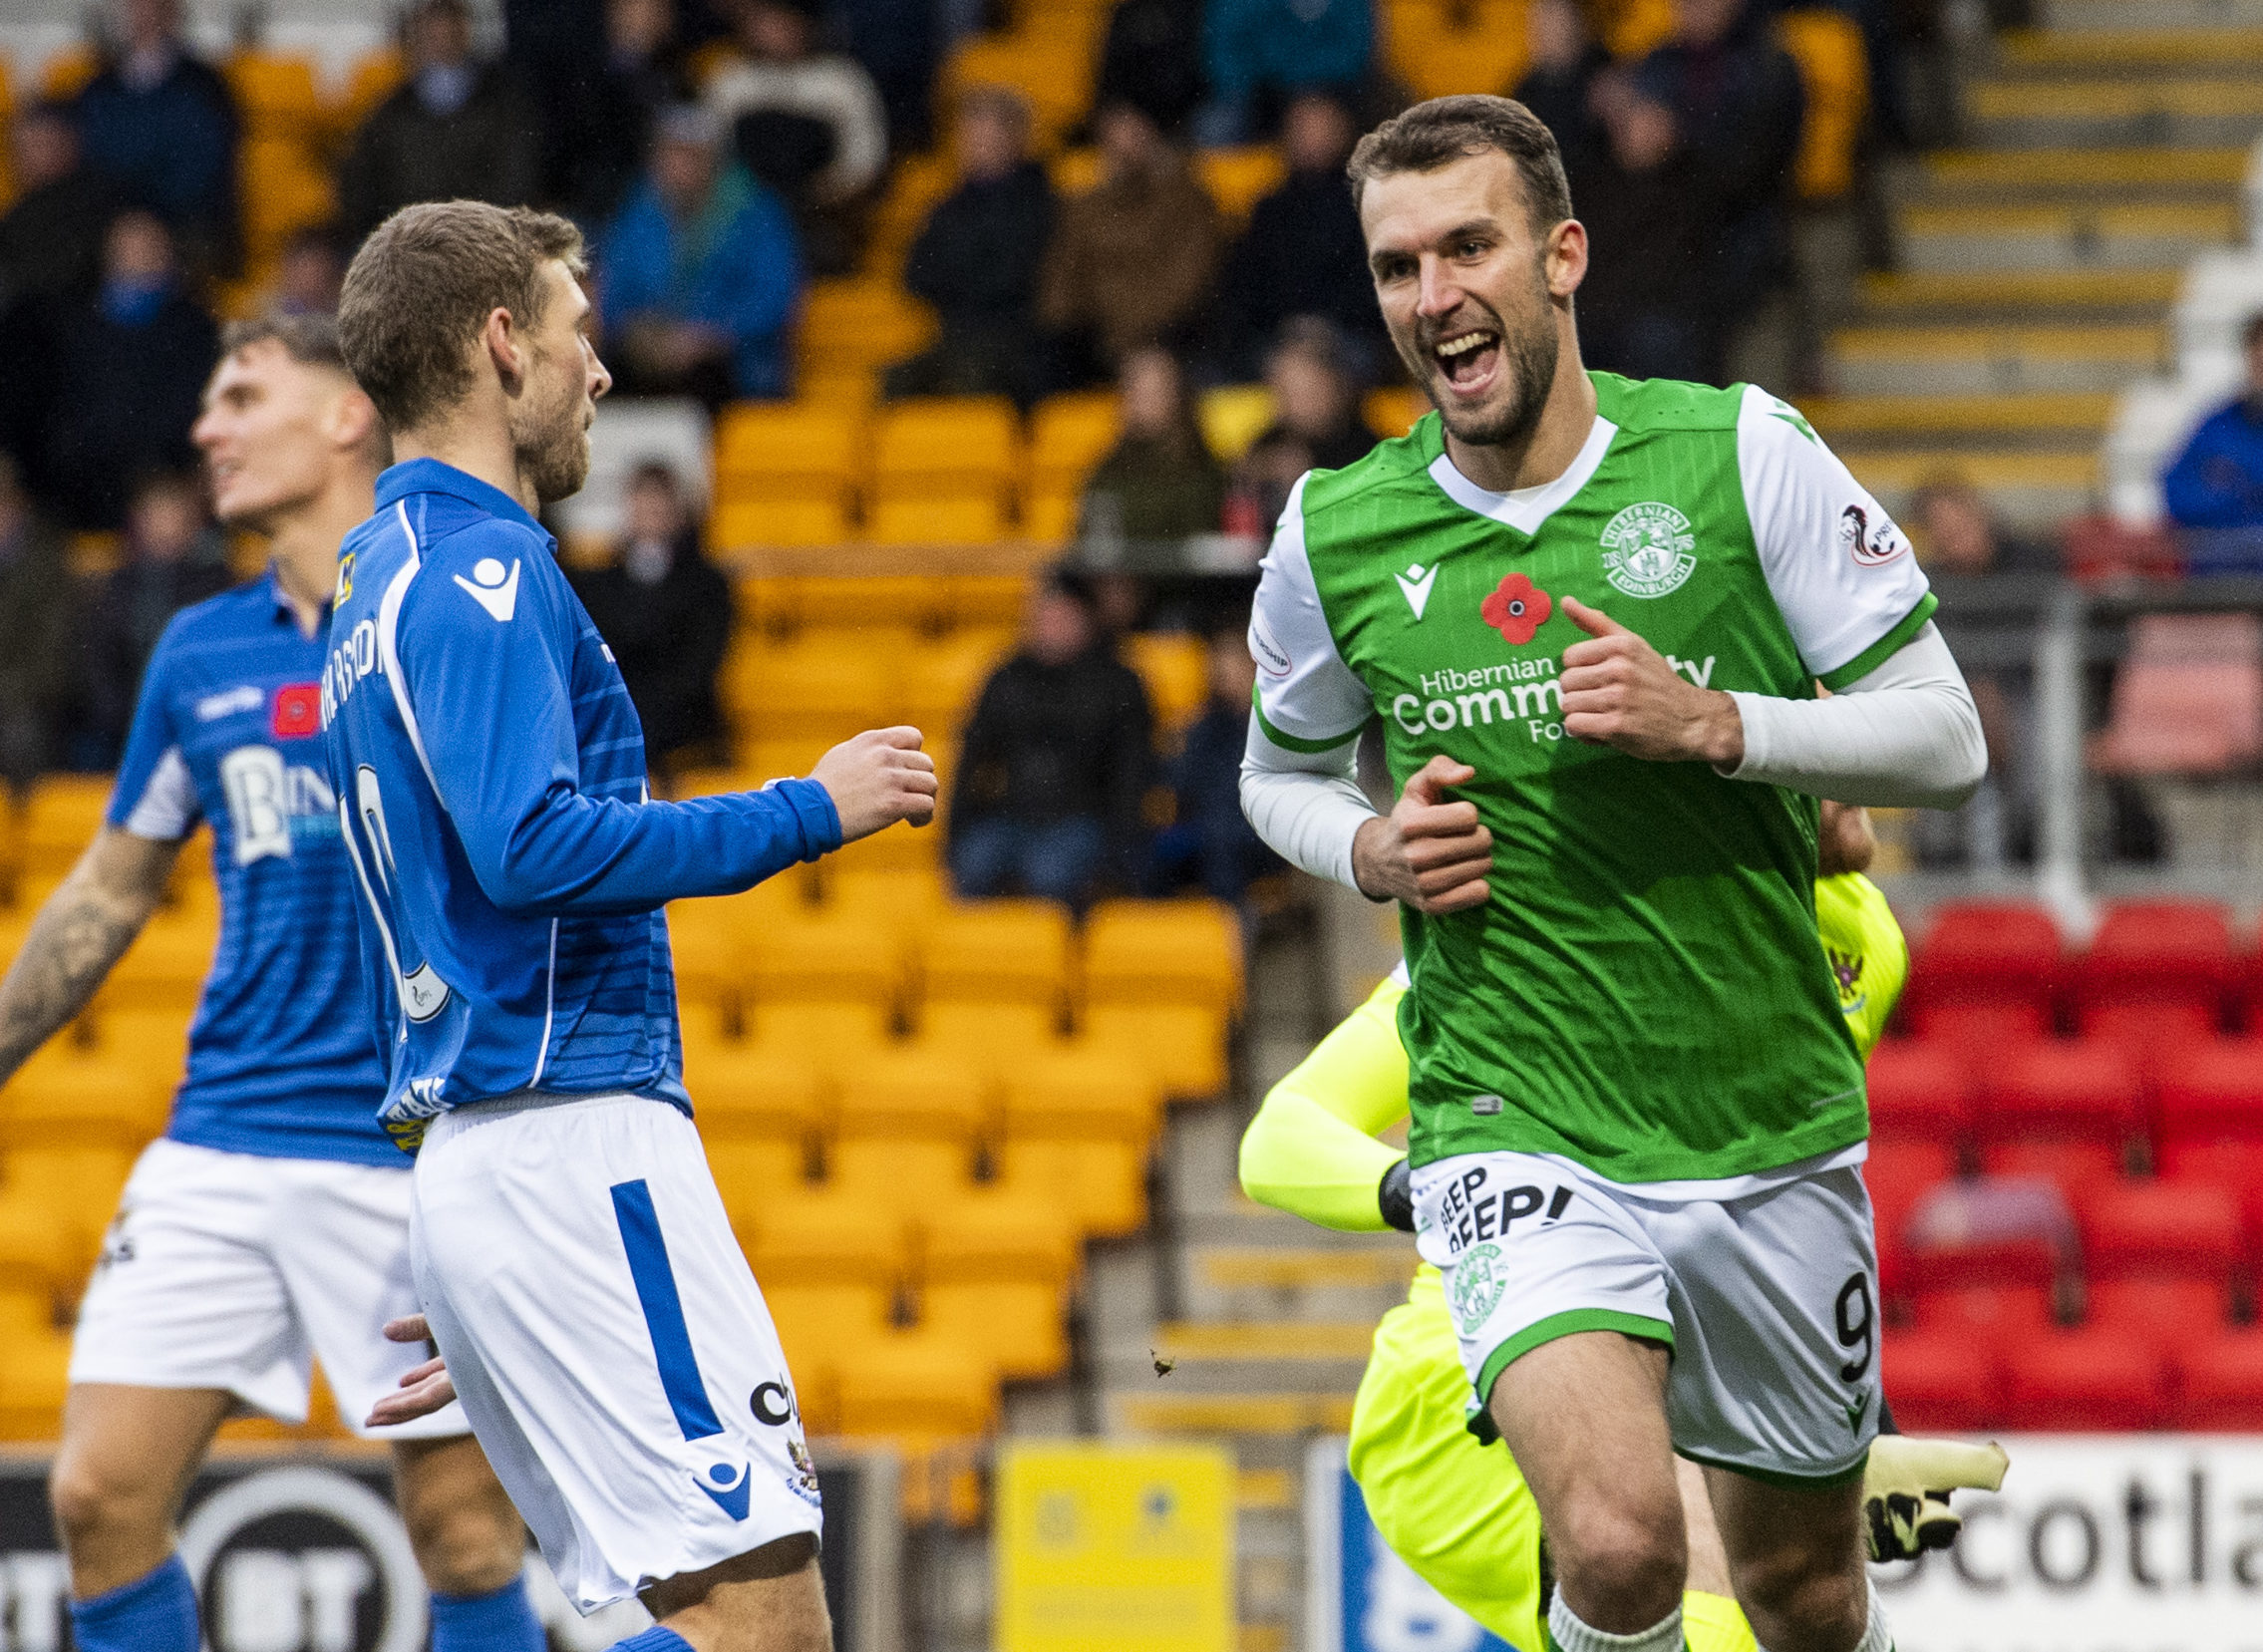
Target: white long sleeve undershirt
[(1906, 735)]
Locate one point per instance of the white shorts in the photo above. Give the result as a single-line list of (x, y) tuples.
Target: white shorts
[(1768, 1300), (237, 1272), (607, 1339)]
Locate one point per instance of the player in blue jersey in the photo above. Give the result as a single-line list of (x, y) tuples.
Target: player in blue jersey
[(571, 1252), (270, 1223)]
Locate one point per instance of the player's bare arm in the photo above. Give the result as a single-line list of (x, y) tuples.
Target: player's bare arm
[(1618, 691), (1429, 851), (83, 928), (877, 778)]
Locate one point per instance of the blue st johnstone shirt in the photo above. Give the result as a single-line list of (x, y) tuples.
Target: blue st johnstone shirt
[(490, 778), (281, 1061)]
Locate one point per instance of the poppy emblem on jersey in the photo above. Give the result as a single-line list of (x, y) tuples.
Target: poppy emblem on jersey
[(1869, 546), (1478, 1282), (1648, 550), (1516, 609), (297, 710)]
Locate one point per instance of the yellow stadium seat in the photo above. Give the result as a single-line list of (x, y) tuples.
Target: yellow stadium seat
[(80, 1184), (854, 324), (830, 1278), (1074, 171), (1637, 27), (820, 684), (1051, 69), (934, 442), (993, 1039), (1052, 518), (988, 599), (1182, 1045), (1069, 435), (994, 1276), (941, 679), (760, 1114), (915, 184), (829, 1034), (786, 451), (904, 1120), (276, 97), (1393, 411), (1237, 178), (779, 758), (373, 79), (1232, 417), (1441, 49), (1163, 952), (706, 934), (41, 1247), (1836, 70), (69, 1098), (974, 518), (34, 1378), (166, 965), (753, 525), (879, 608), (807, 956), (1077, 1124), (913, 849), (894, 900), (996, 952), (66, 73), (1175, 668), (61, 819), (154, 1038), (920, 1389)]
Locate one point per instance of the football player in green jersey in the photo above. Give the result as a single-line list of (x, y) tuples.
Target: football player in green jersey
[(1589, 615), (1459, 1514)]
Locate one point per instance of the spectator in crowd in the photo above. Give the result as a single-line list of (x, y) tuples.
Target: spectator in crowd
[(806, 122), (1638, 311), (1209, 843), (1961, 538), (162, 123), (665, 611), (457, 129), (50, 237), (35, 634), (1151, 59), (1303, 252), (130, 361), (700, 275), (603, 104), (309, 273), (1260, 52), (897, 41), (1723, 99), (1316, 421), (1160, 482), (174, 557), (2217, 481), (1134, 255), (977, 260), (1054, 760)]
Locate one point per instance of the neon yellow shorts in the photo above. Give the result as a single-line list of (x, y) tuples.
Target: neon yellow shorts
[(1458, 1512)]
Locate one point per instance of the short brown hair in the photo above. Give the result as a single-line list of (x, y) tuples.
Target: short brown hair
[(424, 284), (309, 340), (1445, 130)]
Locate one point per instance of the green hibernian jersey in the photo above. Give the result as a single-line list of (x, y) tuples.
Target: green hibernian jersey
[(1643, 993)]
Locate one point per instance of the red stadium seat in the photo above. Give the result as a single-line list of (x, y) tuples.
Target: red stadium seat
[(1920, 1091), (2066, 1108), (1898, 1174), (2221, 1382), (2160, 1230), (2234, 1167), (2092, 1380), (2212, 1091), (1985, 1257), (1940, 1382), (1985, 973), (2172, 958), (2161, 1311)]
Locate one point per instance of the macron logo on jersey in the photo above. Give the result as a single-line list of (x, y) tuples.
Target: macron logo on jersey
[(491, 591), (1415, 583)]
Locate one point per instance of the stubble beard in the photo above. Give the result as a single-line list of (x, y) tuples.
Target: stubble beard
[(555, 454)]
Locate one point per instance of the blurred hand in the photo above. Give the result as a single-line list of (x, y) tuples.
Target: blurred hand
[(1428, 851), (878, 778), (1618, 691), (423, 1389), (1844, 842)]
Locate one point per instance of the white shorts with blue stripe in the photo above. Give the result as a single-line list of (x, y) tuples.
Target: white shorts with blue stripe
[(607, 1339)]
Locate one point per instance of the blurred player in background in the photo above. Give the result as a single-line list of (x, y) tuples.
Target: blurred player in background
[(571, 1253), (270, 1224), (1461, 1514)]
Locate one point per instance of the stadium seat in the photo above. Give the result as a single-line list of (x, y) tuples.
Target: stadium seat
[(1077, 1124), (996, 952), (793, 452), (897, 900), (1238, 178), (1835, 71), (941, 679), (1232, 417), (873, 606), (805, 958), (987, 599), (735, 526), (932, 1398), (905, 1128), (2160, 1255), (994, 1276), (2165, 960), (778, 757), (276, 97), (2219, 1381), (1163, 952), (2211, 1092), (978, 517), (761, 1111), (2187, 699), (2092, 1380), (1940, 1382), (854, 326), (1393, 411), (64, 1096), (941, 447), (823, 686), (41, 1246), (1181, 1047), (1050, 68), (34, 1378), (152, 1038), (79, 1185), (1899, 1173), (166, 965), (374, 78), (1984, 974), (1069, 436), (1920, 1091), (1988, 1256), (1175, 670), (59, 819), (2065, 1108), (1440, 50), (832, 1277)]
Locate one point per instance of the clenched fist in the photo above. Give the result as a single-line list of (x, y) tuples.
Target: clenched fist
[(877, 778), (1428, 851)]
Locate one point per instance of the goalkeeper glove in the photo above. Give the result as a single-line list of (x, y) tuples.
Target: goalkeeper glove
[(1396, 1198), (1906, 1492)]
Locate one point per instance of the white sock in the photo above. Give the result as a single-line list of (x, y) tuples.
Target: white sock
[(1572, 1635)]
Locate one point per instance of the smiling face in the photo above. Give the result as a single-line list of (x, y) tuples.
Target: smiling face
[(268, 432), (1477, 298), (551, 417)]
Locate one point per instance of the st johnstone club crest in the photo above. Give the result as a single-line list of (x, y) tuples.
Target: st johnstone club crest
[(1647, 550)]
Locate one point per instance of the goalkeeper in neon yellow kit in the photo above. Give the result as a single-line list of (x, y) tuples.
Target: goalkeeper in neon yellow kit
[(1454, 1508)]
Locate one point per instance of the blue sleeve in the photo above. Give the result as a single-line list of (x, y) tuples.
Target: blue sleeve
[(153, 797), (495, 715), (2217, 481)]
